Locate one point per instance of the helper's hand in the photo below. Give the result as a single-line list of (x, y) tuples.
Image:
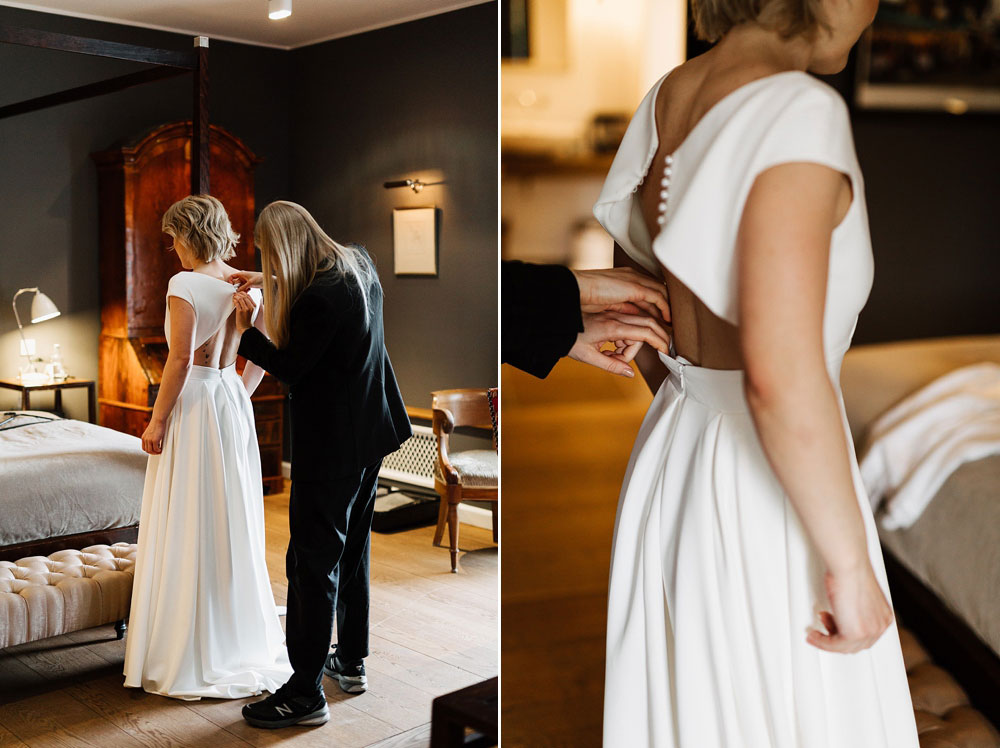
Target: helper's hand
[(626, 331), (152, 437), (860, 612), (244, 311), (622, 290), (247, 280)]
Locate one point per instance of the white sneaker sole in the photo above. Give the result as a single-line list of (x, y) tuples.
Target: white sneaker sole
[(319, 717), (348, 685)]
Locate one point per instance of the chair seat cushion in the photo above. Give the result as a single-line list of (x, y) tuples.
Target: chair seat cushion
[(477, 468)]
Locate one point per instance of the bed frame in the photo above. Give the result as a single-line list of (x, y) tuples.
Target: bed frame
[(163, 64), (947, 638), (78, 541)]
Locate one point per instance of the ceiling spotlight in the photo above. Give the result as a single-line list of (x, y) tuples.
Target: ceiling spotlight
[(277, 9)]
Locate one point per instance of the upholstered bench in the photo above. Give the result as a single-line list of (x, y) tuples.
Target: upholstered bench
[(68, 591), (944, 717)]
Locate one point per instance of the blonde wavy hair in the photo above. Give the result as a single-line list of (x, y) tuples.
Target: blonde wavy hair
[(202, 223), (714, 18), (293, 249)]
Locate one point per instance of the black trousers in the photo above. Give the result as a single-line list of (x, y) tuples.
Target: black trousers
[(327, 566)]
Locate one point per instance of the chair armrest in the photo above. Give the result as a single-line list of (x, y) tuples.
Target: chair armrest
[(443, 423)]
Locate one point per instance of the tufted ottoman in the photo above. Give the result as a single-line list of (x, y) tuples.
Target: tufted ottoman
[(944, 717), (68, 591)]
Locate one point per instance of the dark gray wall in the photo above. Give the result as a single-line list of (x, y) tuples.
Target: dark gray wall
[(418, 99), (332, 122), (933, 187)]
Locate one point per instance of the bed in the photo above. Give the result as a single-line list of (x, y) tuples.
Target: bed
[(66, 484), (944, 569)]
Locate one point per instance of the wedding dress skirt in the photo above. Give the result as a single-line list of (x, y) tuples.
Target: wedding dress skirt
[(203, 621), (714, 586)]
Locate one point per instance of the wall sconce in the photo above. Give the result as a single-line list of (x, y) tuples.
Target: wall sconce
[(414, 184)]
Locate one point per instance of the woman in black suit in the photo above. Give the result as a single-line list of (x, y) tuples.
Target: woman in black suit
[(323, 312)]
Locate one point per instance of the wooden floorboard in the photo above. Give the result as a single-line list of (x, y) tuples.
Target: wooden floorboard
[(566, 443), (432, 632), (418, 737)]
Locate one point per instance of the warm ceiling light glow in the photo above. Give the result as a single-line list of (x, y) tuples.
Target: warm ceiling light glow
[(277, 9)]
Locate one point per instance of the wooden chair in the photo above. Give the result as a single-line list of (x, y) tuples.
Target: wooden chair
[(472, 475)]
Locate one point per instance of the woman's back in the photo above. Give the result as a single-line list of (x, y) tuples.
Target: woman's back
[(683, 99), (216, 338)]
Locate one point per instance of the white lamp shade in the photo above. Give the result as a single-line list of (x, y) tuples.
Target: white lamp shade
[(42, 308), (277, 9)]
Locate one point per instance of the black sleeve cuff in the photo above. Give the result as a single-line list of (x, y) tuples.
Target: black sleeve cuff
[(252, 346)]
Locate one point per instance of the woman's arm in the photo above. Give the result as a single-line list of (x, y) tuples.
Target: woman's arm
[(311, 326), (252, 374), (175, 372), (783, 249), (646, 360)]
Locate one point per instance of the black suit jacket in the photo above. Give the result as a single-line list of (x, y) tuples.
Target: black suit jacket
[(347, 411), (540, 315)]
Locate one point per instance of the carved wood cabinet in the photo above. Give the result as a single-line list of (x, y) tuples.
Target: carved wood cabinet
[(137, 182)]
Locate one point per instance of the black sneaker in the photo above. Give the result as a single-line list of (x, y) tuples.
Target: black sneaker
[(284, 709), (351, 675)]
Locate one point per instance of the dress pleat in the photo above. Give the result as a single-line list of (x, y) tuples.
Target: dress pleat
[(713, 588), (203, 621)]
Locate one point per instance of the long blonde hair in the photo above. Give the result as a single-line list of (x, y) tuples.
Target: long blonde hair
[(293, 249)]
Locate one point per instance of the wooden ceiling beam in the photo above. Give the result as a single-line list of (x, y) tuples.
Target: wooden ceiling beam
[(89, 90), (97, 47)]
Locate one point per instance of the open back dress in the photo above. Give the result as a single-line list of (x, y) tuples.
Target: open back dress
[(203, 621), (714, 583)]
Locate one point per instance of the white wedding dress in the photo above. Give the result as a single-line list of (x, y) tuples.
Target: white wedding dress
[(203, 621), (714, 582)]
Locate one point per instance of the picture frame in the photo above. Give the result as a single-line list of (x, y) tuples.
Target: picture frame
[(924, 55), (414, 239), (524, 23)]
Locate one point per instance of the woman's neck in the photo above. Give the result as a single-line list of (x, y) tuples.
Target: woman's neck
[(751, 45), (215, 268)]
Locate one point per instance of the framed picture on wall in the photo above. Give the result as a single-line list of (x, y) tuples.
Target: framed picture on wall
[(533, 35), (931, 54), (414, 239)]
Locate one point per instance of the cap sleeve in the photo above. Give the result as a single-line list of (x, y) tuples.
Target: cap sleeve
[(800, 120), (180, 287), (616, 208)]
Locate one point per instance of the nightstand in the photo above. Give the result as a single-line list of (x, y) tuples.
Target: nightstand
[(68, 384)]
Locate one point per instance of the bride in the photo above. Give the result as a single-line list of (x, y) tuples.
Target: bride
[(203, 621), (748, 603)]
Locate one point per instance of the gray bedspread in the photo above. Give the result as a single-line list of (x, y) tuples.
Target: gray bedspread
[(63, 477), (954, 547)]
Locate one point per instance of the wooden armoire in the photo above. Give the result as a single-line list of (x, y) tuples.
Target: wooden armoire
[(137, 182)]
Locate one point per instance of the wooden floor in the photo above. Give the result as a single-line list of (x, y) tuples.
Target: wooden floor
[(566, 443), (432, 632)]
